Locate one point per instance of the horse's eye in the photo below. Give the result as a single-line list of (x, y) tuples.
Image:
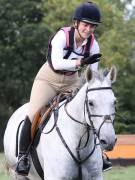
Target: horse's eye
[(91, 103)]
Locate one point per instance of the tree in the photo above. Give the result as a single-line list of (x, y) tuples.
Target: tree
[(118, 47), (116, 37), (25, 30), (23, 36)]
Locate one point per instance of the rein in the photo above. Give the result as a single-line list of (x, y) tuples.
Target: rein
[(91, 126), (77, 159), (71, 117), (107, 119)]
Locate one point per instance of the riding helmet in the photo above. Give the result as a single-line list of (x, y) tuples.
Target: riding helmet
[(87, 12)]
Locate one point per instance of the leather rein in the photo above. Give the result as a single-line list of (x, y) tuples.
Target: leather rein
[(107, 119)]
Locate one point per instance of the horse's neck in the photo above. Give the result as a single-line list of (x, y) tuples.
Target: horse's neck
[(76, 106)]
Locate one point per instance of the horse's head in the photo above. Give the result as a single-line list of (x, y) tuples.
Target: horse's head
[(100, 105)]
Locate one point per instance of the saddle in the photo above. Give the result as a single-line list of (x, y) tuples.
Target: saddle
[(39, 122), (44, 113)]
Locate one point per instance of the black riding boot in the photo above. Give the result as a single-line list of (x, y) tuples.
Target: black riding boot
[(107, 165), (23, 164)]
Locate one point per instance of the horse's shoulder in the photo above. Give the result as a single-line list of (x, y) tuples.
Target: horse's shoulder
[(20, 113), (23, 108)]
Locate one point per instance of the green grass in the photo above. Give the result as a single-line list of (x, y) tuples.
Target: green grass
[(3, 173), (117, 173), (120, 173)]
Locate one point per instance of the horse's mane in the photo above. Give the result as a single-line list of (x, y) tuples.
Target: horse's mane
[(100, 75)]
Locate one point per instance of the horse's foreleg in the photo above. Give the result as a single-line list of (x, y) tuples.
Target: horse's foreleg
[(14, 176), (96, 175)]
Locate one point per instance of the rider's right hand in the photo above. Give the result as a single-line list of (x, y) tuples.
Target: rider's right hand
[(91, 59)]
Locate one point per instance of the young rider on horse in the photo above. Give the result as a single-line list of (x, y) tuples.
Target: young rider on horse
[(60, 72)]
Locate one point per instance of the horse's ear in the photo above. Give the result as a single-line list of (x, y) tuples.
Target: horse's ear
[(112, 74), (89, 74)]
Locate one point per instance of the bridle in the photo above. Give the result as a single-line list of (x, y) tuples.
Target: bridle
[(90, 126), (107, 117)]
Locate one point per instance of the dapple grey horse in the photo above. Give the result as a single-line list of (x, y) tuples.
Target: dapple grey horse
[(84, 125)]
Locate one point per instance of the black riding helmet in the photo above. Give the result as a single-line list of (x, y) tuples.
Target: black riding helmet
[(87, 12)]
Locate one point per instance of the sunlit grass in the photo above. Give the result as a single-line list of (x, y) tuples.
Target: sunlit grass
[(3, 173), (117, 173), (120, 173)]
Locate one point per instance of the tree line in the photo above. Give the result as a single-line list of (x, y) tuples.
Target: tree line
[(25, 28)]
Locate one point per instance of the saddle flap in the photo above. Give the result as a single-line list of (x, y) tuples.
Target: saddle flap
[(44, 112)]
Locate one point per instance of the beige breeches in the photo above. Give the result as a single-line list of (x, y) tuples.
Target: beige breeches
[(46, 85)]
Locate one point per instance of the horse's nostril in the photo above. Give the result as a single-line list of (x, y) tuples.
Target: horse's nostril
[(103, 142), (106, 146)]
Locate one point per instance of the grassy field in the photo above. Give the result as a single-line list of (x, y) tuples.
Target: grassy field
[(3, 173), (117, 173), (120, 173)]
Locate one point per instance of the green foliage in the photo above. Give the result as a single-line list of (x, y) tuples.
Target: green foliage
[(118, 47), (59, 13), (116, 38), (25, 29), (122, 128), (23, 37)]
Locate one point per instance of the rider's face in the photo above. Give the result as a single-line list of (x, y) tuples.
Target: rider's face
[(86, 29)]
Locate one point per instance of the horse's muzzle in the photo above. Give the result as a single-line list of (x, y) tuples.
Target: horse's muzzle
[(107, 146)]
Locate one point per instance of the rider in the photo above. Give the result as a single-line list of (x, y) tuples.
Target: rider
[(60, 72)]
